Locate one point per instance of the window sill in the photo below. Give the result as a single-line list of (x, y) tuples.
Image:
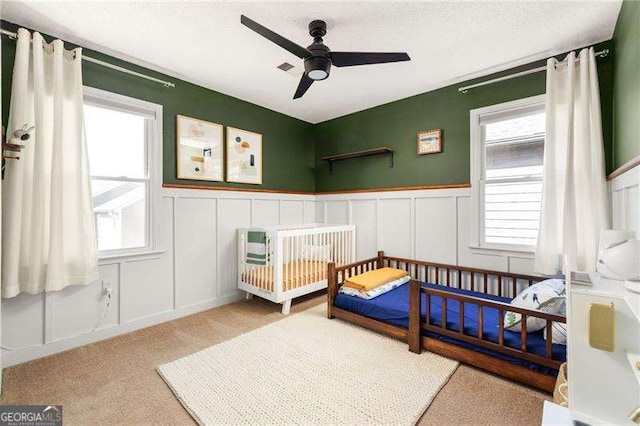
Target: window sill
[(129, 257), (517, 251)]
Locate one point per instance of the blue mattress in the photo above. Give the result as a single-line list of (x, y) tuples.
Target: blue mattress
[(393, 308)]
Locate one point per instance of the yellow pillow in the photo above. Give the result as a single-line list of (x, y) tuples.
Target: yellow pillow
[(372, 279)]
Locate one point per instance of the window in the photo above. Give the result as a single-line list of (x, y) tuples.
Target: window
[(507, 147), (123, 141)]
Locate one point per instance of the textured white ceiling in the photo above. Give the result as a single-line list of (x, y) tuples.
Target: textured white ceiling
[(205, 43)]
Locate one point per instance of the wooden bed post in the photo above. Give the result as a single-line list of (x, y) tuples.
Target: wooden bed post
[(415, 300), (380, 263), (332, 288)]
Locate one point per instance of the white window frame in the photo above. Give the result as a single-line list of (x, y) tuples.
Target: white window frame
[(477, 167), (153, 166)]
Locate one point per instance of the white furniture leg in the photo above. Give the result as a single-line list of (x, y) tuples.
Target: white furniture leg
[(248, 296), (286, 307)]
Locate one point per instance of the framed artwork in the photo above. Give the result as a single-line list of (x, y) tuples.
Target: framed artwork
[(200, 149), (244, 156), (430, 142)]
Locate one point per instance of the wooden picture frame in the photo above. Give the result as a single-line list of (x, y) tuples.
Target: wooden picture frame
[(199, 149), (244, 156), (429, 142)]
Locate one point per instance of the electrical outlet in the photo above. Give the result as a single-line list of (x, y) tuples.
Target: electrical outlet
[(106, 287)]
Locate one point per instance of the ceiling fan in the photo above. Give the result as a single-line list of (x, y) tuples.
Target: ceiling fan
[(318, 58)]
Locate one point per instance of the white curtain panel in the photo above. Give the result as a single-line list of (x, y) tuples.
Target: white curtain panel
[(574, 197), (48, 229)]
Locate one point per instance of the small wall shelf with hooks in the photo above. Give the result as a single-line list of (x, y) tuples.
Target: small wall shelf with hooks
[(357, 154)]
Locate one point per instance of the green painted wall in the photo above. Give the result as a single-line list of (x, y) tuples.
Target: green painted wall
[(396, 124), (288, 162), (293, 149), (626, 128)]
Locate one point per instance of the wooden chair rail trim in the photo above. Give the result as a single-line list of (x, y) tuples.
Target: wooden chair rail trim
[(396, 189), (493, 304), (631, 164), (214, 187)]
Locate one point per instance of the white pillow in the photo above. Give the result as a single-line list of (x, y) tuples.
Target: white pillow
[(374, 292), (558, 333), (558, 329), (547, 296), (319, 253)]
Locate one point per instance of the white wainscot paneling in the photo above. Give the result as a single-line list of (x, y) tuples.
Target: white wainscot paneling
[(625, 200), (195, 259), (22, 321), (265, 212), (363, 215), (337, 212), (468, 256), (291, 212), (79, 309), (436, 229), (310, 211), (319, 216), (146, 285), (148, 289), (632, 209), (232, 214), (394, 227), (521, 265)]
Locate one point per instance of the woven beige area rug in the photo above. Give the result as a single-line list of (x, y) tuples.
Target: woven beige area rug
[(306, 369)]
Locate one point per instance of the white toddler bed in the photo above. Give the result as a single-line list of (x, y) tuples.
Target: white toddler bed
[(290, 261)]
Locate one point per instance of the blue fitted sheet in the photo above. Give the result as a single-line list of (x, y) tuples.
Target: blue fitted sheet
[(393, 308)]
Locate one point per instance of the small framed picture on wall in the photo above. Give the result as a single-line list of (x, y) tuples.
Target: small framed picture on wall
[(200, 149), (244, 156), (430, 142)]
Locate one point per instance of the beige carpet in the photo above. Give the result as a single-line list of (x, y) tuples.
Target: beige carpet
[(306, 369), (115, 381)]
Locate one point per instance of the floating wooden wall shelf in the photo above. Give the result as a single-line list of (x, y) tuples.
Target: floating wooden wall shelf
[(356, 154)]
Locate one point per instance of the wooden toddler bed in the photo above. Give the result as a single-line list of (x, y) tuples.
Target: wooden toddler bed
[(457, 312)]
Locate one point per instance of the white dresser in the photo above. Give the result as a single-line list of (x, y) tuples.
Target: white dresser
[(604, 385)]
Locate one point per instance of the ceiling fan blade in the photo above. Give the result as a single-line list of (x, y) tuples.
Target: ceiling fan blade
[(305, 83), (350, 59), (265, 32)]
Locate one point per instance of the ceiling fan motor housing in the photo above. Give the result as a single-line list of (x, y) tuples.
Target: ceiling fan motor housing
[(318, 65)]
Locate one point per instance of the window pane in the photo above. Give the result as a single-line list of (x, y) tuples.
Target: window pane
[(518, 127), (514, 160), (116, 142), (120, 214), (513, 149), (512, 212)]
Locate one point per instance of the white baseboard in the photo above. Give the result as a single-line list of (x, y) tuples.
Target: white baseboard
[(11, 358)]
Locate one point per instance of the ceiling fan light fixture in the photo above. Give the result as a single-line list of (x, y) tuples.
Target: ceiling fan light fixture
[(318, 74), (317, 67)]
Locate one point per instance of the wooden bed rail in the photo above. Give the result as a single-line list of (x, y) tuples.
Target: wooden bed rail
[(337, 275), (432, 272), (416, 325), (474, 275)]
